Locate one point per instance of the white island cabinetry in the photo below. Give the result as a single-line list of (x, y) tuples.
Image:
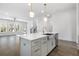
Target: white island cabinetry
[(34, 45)]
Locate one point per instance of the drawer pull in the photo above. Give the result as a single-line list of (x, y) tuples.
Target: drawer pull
[(36, 50)]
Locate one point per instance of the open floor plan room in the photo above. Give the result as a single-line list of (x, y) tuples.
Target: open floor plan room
[(39, 29)]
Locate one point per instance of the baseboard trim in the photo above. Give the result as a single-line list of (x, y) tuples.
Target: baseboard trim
[(66, 41), (78, 46)]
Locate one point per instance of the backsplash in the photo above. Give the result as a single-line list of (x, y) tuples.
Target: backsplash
[(33, 29), (44, 27), (8, 26)]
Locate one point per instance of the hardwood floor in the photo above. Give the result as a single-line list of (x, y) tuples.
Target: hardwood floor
[(65, 48)]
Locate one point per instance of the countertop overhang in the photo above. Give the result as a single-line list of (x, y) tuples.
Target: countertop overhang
[(34, 36), (10, 33)]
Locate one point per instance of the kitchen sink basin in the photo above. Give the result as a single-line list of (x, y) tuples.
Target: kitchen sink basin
[(47, 34)]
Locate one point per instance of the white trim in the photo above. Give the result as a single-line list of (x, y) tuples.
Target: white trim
[(77, 23)]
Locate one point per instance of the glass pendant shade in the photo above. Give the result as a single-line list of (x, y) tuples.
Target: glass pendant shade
[(45, 19), (31, 14)]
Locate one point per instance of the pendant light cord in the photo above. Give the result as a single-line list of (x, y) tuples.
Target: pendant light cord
[(45, 8)]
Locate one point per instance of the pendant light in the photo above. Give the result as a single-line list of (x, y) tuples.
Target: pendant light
[(29, 4), (45, 17), (31, 13)]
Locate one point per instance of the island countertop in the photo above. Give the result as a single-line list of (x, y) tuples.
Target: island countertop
[(10, 33), (32, 36)]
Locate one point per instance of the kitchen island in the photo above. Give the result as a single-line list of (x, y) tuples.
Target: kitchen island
[(36, 44)]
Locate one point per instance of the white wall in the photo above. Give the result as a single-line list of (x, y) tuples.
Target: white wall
[(78, 23), (65, 24), (73, 25)]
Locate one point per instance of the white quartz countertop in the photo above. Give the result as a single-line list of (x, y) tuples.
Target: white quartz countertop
[(32, 36), (51, 32), (9, 33)]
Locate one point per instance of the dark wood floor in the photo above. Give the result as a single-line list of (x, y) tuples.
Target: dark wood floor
[(65, 48)]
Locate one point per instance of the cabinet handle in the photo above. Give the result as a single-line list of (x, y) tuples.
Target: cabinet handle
[(36, 50), (36, 42)]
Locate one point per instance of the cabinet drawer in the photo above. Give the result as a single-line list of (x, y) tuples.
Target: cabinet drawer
[(36, 50), (37, 53), (44, 50), (44, 40), (36, 42)]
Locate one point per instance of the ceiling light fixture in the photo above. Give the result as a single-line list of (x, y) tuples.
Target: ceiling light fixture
[(45, 7), (45, 19), (29, 4), (31, 13), (45, 16)]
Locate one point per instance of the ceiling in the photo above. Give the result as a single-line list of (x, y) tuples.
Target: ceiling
[(21, 10)]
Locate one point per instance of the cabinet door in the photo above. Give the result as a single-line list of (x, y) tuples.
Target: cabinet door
[(51, 43), (36, 42), (44, 46), (36, 51), (24, 47), (49, 46), (36, 47), (54, 42)]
